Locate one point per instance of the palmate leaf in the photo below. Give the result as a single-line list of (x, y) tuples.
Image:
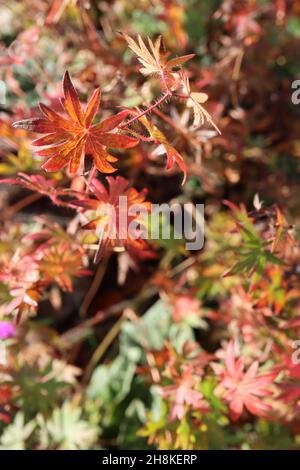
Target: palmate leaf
[(41, 387), (254, 253), (68, 139), (67, 429), (108, 214), (242, 388), (60, 263), (16, 434), (153, 62)]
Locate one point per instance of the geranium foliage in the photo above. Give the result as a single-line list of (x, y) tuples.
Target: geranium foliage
[(113, 335)]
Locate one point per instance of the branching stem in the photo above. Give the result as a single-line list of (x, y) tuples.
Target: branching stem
[(163, 98)]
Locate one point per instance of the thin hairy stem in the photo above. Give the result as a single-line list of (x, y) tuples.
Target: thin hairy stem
[(163, 98)]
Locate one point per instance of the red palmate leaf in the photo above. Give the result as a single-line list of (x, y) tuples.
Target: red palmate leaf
[(242, 388), (183, 394), (68, 139), (112, 212)]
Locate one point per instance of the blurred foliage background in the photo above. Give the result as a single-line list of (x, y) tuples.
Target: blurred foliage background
[(123, 357)]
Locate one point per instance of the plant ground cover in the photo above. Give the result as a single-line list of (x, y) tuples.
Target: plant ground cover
[(110, 339)]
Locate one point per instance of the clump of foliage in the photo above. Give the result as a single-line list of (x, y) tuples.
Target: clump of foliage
[(122, 342)]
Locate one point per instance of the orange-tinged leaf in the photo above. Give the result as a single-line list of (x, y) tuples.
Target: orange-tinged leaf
[(172, 157), (117, 140), (164, 147), (56, 163), (110, 123), (56, 118), (49, 139), (76, 159), (72, 137), (71, 101), (179, 60), (101, 161), (92, 107)]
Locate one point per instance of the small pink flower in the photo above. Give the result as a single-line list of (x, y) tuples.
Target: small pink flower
[(7, 330)]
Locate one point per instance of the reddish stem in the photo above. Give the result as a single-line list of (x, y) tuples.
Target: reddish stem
[(148, 110), (182, 97), (91, 177)]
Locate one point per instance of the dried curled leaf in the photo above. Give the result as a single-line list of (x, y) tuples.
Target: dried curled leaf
[(195, 101)]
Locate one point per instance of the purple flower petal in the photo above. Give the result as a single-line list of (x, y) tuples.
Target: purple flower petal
[(7, 330)]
